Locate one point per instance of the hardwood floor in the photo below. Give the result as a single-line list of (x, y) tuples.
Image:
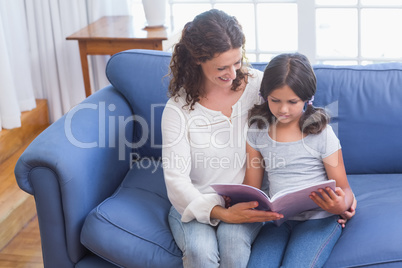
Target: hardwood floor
[(24, 251), (20, 244)]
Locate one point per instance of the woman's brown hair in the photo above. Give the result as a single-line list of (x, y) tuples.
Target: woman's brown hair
[(208, 35)]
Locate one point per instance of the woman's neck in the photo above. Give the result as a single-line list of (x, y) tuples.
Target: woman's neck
[(221, 99)]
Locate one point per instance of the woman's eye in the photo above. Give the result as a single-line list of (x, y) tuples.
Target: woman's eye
[(274, 100)]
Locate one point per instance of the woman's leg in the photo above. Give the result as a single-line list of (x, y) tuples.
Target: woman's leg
[(196, 240), (234, 243), (311, 242), (269, 246)]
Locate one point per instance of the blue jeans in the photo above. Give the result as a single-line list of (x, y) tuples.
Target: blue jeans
[(226, 245), (295, 243)]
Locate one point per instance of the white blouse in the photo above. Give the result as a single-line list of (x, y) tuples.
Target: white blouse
[(201, 147)]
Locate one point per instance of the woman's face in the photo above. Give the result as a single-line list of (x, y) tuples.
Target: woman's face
[(285, 105), (220, 71)]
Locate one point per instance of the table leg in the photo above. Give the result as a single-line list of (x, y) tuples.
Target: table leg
[(85, 69)]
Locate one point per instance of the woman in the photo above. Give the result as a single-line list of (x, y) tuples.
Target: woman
[(203, 128)]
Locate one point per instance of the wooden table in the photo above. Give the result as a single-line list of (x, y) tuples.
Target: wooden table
[(112, 34)]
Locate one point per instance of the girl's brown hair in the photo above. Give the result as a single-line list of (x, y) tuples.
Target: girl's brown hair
[(295, 71)]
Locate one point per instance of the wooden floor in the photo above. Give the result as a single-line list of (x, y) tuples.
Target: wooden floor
[(24, 251), (19, 230)]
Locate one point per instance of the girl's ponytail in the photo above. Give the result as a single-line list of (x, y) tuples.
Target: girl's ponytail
[(314, 120)]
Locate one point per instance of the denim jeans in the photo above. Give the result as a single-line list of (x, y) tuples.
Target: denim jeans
[(295, 243), (205, 246)]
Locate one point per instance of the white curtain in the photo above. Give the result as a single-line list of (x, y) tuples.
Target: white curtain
[(36, 59), (16, 88)]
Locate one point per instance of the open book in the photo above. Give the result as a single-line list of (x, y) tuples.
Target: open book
[(288, 203)]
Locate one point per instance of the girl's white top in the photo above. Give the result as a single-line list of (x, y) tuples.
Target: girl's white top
[(201, 147)]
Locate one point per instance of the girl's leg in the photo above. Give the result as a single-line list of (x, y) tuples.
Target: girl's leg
[(196, 240), (234, 242), (311, 242), (269, 246)]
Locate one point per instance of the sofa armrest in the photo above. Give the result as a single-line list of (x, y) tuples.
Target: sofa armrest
[(72, 166)]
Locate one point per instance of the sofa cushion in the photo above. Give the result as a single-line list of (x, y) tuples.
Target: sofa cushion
[(370, 237), (362, 102), (140, 76), (133, 222)]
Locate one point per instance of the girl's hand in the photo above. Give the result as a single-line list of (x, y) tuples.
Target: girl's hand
[(333, 202), (244, 213), (348, 214)]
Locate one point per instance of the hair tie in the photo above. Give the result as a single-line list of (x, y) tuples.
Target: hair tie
[(310, 102)]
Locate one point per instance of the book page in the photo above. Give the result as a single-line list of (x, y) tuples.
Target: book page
[(288, 203), (239, 193)]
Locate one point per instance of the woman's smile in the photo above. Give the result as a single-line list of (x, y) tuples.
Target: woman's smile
[(220, 71)]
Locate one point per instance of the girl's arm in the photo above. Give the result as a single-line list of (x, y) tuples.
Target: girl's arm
[(340, 200), (348, 214), (254, 167)]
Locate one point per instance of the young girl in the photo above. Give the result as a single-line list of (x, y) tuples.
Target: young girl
[(291, 140)]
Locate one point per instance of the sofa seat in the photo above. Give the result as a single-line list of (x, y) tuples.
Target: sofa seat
[(363, 243), (120, 240), (114, 231)]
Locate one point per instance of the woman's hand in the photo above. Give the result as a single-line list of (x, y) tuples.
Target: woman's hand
[(244, 213), (332, 201), (348, 214)]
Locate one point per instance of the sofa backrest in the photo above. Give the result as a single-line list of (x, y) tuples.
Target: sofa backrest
[(365, 104), (140, 76)]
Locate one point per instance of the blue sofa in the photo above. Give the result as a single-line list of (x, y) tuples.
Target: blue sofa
[(98, 184)]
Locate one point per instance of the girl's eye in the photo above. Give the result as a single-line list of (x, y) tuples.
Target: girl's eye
[(274, 100), (293, 102), (221, 69)]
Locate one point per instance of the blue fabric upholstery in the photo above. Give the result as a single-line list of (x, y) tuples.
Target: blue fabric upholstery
[(364, 103), (70, 170), (137, 215), (147, 96), (374, 235), (91, 195)]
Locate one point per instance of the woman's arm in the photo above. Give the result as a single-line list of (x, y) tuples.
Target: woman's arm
[(176, 156), (340, 200)]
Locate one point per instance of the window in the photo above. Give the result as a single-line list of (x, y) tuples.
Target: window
[(352, 31), (327, 31)]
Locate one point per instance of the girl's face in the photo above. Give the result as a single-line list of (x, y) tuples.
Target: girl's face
[(285, 105), (221, 70)]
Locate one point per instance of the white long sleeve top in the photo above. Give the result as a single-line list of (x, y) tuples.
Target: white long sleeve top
[(202, 146)]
